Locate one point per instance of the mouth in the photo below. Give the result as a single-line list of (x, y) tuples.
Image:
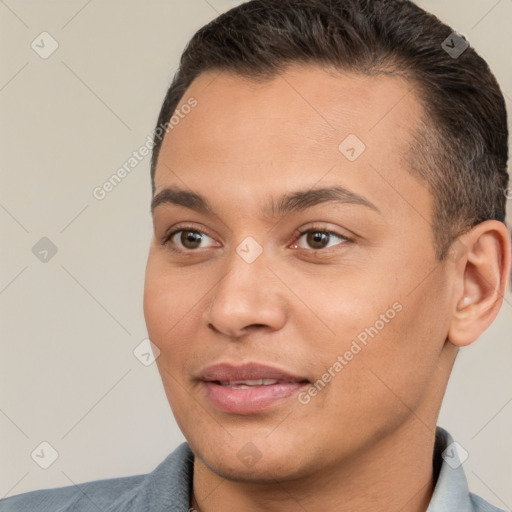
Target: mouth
[(248, 384), (249, 388)]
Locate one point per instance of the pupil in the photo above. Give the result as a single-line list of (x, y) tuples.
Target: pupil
[(191, 239), (317, 239)]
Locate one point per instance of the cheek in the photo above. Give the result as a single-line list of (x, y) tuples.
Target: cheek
[(401, 362), (167, 300), (173, 303), (348, 308), (167, 309), (389, 339)]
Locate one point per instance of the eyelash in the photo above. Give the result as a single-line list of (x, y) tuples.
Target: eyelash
[(166, 240)]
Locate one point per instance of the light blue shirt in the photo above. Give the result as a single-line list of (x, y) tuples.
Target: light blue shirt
[(168, 488)]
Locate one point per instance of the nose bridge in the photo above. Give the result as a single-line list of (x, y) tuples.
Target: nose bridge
[(247, 294)]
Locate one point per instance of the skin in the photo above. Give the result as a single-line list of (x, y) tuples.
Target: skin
[(365, 441)]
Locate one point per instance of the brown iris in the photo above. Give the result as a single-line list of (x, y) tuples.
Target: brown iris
[(190, 239), (317, 239)]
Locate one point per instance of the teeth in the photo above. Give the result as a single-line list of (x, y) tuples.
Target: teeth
[(246, 384)]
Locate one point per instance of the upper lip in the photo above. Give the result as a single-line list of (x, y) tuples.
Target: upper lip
[(226, 372)]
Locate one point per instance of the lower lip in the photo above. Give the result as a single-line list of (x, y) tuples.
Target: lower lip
[(252, 400)]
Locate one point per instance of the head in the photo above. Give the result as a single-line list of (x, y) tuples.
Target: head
[(339, 186)]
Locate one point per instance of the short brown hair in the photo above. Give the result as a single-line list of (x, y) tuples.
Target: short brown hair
[(460, 147)]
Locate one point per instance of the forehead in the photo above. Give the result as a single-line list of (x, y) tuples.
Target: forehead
[(298, 128)]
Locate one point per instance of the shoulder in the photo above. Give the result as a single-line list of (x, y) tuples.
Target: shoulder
[(166, 488), (87, 496)]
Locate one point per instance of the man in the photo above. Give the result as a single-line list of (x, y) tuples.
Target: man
[(328, 206)]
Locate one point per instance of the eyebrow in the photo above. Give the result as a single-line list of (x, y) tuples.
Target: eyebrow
[(291, 202)]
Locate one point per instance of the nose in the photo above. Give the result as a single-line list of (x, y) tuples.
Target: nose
[(248, 297)]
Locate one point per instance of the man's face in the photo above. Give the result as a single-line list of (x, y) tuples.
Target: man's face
[(360, 313)]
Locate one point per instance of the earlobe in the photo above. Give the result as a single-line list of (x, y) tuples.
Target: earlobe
[(480, 281)]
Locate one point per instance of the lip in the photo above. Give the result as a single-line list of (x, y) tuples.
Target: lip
[(249, 371), (251, 400)]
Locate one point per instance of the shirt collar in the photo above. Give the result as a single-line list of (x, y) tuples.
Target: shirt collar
[(451, 491)]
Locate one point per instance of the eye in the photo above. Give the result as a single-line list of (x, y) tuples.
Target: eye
[(318, 239), (186, 239)]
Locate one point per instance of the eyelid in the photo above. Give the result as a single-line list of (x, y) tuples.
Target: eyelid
[(321, 228)]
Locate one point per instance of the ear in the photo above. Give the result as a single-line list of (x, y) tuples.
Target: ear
[(481, 273)]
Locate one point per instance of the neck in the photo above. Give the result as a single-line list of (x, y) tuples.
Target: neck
[(396, 475)]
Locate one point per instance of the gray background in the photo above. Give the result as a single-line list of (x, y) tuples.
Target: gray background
[(69, 325)]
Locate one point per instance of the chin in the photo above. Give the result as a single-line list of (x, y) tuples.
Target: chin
[(259, 461), (268, 471)]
